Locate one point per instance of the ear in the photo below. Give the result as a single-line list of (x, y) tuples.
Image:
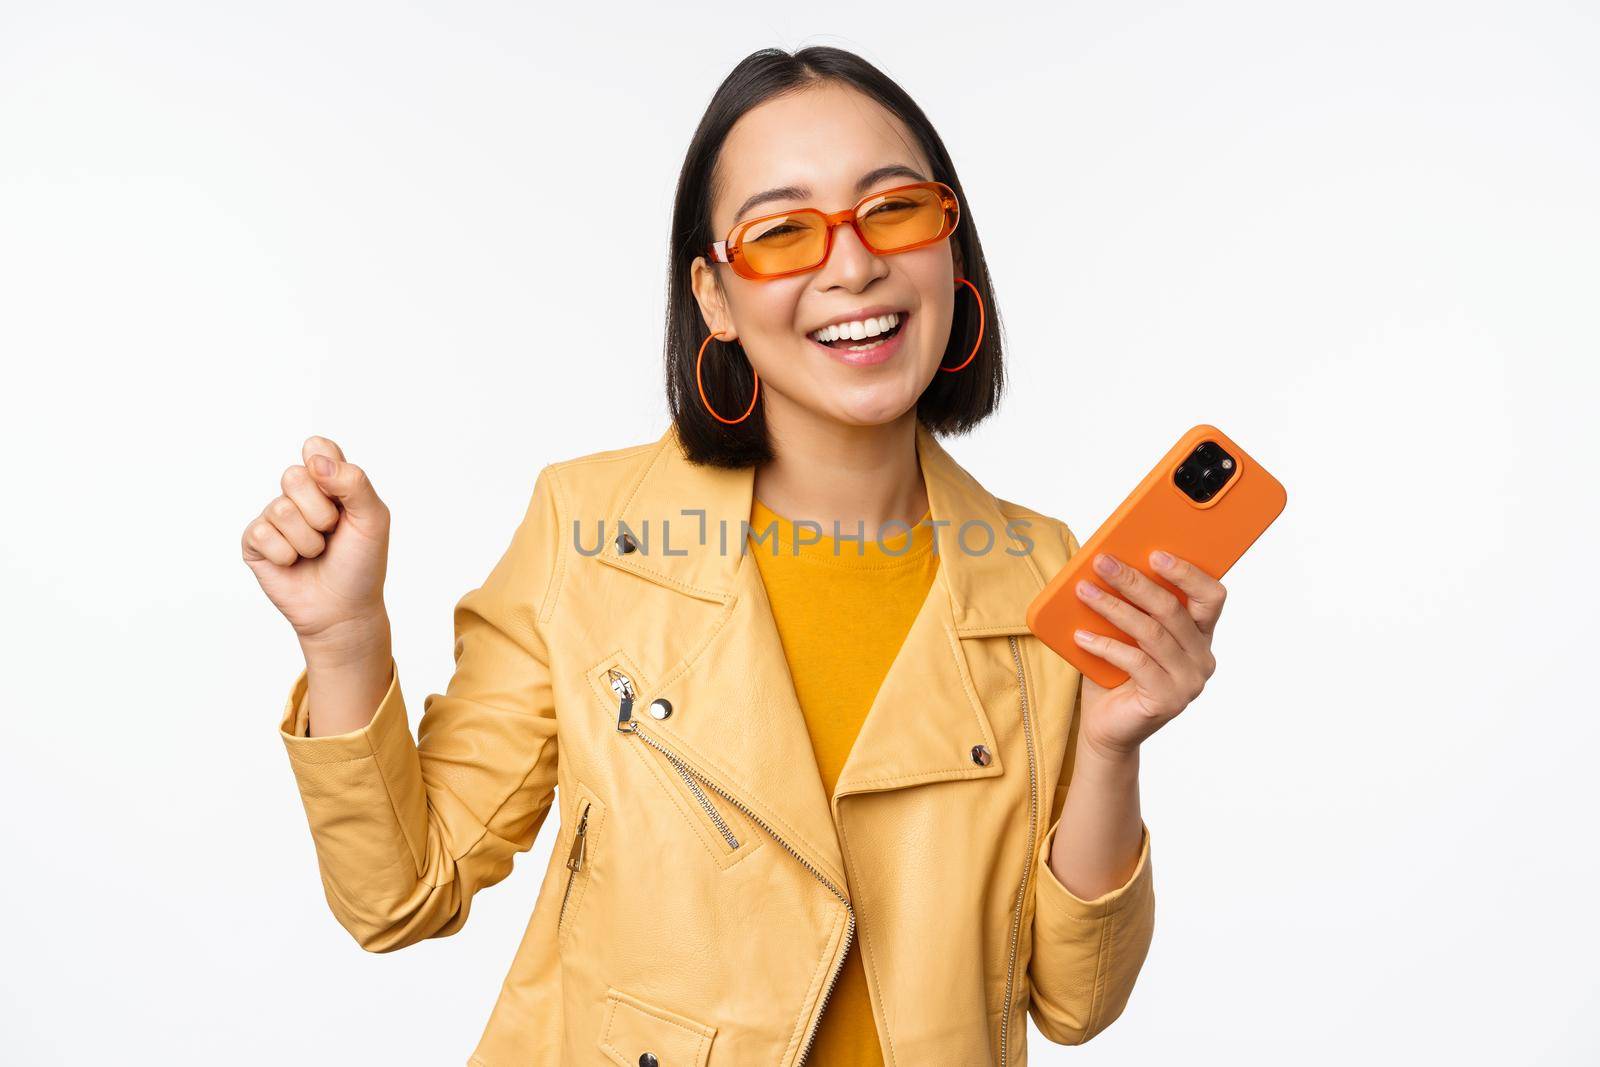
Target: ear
[(712, 300)]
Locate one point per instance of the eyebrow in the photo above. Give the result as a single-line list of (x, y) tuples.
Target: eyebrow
[(801, 192)]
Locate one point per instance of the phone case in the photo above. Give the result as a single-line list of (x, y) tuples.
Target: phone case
[(1158, 514)]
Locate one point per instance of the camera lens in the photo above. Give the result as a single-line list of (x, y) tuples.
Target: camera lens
[(1208, 452), (1187, 477)]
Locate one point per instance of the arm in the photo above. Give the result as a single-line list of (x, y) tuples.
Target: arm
[(406, 832), (1094, 913), (1088, 949)]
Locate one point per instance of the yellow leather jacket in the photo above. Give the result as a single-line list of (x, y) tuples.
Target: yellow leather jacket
[(704, 890)]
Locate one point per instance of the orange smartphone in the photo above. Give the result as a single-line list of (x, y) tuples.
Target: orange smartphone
[(1206, 502)]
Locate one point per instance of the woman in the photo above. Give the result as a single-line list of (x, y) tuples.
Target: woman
[(822, 796)]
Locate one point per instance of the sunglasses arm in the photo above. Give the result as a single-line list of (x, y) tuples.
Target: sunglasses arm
[(719, 252)]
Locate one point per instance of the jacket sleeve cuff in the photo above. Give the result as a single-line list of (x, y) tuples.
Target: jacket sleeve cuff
[(372, 774), (354, 744), (1055, 899)]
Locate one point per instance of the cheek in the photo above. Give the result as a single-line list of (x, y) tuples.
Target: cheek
[(768, 309), (765, 313)]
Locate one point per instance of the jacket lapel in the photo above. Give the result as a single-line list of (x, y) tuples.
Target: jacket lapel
[(926, 717)]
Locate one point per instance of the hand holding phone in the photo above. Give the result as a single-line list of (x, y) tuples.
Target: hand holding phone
[(1206, 501)]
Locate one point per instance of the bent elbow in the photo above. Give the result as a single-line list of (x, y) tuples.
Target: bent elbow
[(426, 912), (1063, 1027)]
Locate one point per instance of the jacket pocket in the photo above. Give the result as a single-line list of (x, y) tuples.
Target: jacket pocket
[(728, 836), (633, 1028), (589, 814)]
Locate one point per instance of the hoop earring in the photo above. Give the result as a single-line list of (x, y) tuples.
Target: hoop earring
[(698, 359), (979, 341)]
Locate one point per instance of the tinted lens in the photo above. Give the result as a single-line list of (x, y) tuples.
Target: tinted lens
[(785, 243), (902, 218)]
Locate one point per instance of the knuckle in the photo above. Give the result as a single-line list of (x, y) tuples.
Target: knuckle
[(262, 537), (294, 476), (283, 508)]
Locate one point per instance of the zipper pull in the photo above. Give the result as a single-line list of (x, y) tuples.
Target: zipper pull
[(575, 858), (622, 685)]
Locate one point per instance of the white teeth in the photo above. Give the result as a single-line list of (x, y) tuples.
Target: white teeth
[(858, 329)]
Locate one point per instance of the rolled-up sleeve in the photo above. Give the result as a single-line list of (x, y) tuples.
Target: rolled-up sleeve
[(1087, 953), (407, 831)]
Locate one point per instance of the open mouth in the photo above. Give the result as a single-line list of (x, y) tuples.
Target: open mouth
[(863, 335)]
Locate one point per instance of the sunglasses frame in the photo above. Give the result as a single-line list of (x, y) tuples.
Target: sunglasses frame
[(729, 251)]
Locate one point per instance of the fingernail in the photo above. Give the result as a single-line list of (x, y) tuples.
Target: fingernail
[(321, 465), (1161, 559), (1089, 589), (1081, 635), (1105, 565)]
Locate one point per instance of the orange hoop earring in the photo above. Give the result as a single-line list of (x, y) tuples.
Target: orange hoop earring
[(979, 341), (698, 359)]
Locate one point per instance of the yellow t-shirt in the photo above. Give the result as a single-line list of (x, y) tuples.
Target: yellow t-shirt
[(842, 616)]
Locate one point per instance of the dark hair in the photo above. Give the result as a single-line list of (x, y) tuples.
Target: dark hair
[(952, 402)]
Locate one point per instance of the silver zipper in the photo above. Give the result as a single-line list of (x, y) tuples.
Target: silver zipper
[(623, 686), (1027, 866), (574, 862)]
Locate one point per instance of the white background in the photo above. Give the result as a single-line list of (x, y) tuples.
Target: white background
[(1360, 237)]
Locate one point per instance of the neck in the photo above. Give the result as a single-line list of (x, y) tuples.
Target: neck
[(828, 471)]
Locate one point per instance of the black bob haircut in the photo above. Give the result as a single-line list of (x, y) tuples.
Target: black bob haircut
[(952, 402)]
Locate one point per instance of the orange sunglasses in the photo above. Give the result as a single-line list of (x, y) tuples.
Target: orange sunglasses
[(795, 241)]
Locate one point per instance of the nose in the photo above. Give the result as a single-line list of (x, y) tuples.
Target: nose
[(851, 263)]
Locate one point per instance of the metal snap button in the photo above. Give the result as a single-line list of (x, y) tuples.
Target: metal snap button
[(648, 1059), (980, 755), (626, 543), (660, 707)]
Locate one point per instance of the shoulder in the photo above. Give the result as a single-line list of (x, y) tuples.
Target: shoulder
[(591, 482), (1049, 540)]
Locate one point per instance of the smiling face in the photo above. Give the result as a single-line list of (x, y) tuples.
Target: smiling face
[(817, 146)]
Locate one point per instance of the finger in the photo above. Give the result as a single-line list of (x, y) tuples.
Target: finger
[(262, 541), (315, 445), (1151, 636), (1206, 594), (1145, 672), (284, 514), (349, 485), (1161, 604), (320, 512)]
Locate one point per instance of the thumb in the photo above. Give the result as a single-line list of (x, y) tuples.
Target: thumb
[(346, 483)]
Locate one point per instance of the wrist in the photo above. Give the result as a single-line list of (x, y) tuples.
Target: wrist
[(1105, 761), (350, 643)]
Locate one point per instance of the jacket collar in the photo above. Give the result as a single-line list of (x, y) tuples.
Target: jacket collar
[(928, 713), (687, 518)]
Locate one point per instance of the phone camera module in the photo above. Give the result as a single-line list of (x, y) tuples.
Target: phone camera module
[(1205, 472)]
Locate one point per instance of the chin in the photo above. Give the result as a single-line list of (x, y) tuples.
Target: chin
[(874, 407)]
